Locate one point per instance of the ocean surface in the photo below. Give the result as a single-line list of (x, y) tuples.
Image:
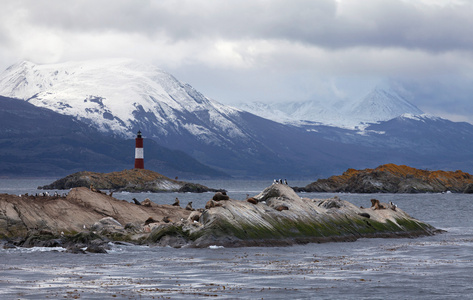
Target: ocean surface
[(434, 267)]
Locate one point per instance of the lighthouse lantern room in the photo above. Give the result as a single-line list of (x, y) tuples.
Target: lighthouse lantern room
[(139, 157)]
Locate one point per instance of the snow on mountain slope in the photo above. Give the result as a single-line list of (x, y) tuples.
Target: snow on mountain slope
[(381, 104), (120, 96), (267, 111)]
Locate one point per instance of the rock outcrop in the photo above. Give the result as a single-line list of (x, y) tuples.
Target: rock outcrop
[(81, 211), (281, 217), (391, 178), (277, 217), (134, 180)]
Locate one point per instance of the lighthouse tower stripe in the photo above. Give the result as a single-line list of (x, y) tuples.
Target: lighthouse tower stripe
[(139, 153), (139, 161)]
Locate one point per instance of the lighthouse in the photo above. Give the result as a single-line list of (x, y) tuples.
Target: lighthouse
[(139, 158)]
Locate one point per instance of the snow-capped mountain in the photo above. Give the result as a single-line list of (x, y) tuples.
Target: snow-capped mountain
[(381, 104), (120, 96)]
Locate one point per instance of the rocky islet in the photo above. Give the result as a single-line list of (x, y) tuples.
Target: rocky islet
[(87, 219), (132, 180), (392, 178)]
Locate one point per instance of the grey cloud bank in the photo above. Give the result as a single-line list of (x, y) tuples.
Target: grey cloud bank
[(269, 51)]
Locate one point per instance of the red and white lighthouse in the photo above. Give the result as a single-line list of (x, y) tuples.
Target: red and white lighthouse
[(139, 158)]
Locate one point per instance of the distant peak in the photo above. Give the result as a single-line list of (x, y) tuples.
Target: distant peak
[(419, 117)]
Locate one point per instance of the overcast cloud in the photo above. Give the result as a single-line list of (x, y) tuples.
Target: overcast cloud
[(276, 50)]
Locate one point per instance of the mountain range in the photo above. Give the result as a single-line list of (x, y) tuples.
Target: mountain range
[(383, 103), (116, 98)]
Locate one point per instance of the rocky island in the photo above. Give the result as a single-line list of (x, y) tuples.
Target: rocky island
[(134, 180), (86, 219), (391, 178)]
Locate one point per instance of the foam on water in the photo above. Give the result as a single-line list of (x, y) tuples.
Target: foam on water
[(33, 249), (215, 247)]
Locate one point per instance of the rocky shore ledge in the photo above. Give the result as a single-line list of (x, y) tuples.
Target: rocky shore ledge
[(134, 181), (391, 178), (85, 220)]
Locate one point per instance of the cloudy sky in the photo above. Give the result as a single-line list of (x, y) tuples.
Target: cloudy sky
[(261, 50)]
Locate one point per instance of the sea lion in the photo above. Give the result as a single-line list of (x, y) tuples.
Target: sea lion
[(136, 201), (209, 204), (147, 202), (281, 207), (252, 200), (220, 196), (176, 202), (366, 215), (150, 220), (212, 203), (166, 219), (189, 206), (375, 204), (93, 189)]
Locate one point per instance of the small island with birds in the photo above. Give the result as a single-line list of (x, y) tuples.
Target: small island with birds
[(90, 219)]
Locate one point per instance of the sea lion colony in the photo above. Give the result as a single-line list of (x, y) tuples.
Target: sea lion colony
[(277, 215)]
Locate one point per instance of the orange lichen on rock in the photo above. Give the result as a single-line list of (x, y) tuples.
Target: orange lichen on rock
[(392, 178)]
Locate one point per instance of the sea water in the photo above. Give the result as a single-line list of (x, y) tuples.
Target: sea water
[(433, 267)]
